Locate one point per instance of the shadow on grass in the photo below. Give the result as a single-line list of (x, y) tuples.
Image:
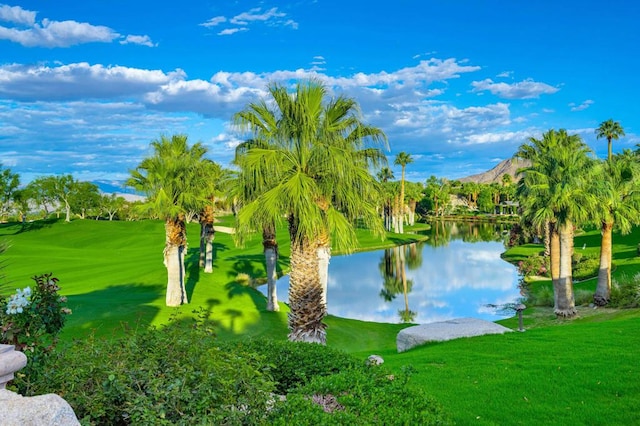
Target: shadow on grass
[(14, 228), (107, 310)]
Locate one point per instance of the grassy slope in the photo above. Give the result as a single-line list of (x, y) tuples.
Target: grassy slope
[(576, 372)]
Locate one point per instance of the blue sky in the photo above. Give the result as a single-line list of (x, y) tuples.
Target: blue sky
[(85, 86)]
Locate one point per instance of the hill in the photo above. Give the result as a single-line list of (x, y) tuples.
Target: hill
[(509, 166)]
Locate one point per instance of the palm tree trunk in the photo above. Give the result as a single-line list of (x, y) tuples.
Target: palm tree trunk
[(603, 289), (565, 303), (207, 235), (305, 292), (547, 238), (174, 251), (324, 255), (270, 246), (554, 258), (396, 214)]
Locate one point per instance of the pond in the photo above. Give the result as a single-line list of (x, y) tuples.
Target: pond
[(457, 273)]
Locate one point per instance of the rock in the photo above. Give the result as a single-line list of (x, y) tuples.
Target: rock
[(446, 330), (42, 410), (10, 362), (375, 360)]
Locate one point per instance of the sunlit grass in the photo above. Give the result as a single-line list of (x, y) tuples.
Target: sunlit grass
[(581, 371)]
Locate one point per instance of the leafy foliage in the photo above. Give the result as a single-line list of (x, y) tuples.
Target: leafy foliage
[(172, 375), (357, 396), (31, 319), (294, 364), (625, 292)]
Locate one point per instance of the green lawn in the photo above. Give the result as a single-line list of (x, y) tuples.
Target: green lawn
[(582, 371)]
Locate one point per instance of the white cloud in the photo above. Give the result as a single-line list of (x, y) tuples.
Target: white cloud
[(48, 33), (271, 17), (230, 31), (526, 89), (584, 105), (256, 15), (17, 15), (215, 21), (142, 40), (505, 74)]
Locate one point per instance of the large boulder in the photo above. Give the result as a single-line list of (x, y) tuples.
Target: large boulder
[(41, 410), (411, 337)]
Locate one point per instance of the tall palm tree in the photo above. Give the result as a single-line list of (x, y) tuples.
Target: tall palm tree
[(212, 179), (172, 180), (611, 130), (384, 176), (402, 159), (555, 190), (323, 186), (618, 189)]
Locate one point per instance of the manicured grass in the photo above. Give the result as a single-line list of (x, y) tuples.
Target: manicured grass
[(582, 371)]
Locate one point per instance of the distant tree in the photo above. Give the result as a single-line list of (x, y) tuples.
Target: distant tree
[(41, 191), (21, 201), (485, 200), (402, 159), (506, 179), (83, 198), (9, 183), (611, 130), (385, 176), (111, 204)]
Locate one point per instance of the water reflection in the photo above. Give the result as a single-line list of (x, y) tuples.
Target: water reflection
[(456, 273)]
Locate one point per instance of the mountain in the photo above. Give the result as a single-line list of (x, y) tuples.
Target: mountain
[(509, 166)]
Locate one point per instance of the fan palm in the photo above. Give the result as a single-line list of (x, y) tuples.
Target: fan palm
[(554, 190), (172, 181), (321, 182), (618, 188), (402, 159), (611, 130)]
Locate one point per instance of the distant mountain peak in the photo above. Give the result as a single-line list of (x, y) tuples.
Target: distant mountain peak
[(509, 166)]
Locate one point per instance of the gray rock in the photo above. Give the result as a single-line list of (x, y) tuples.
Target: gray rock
[(411, 337), (42, 410), (375, 360)]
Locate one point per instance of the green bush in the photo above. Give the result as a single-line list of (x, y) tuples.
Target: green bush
[(171, 375), (540, 296), (358, 397), (625, 292), (586, 267), (294, 363)]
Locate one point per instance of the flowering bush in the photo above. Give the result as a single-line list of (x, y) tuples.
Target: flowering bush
[(31, 319), (534, 265)]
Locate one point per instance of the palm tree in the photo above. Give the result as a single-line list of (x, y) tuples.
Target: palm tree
[(402, 159), (555, 190), (384, 176), (611, 130), (213, 176), (618, 188), (322, 184), (172, 180)]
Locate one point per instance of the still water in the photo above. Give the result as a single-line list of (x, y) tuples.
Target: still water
[(456, 273)]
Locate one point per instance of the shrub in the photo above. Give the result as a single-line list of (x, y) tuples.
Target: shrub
[(540, 296), (625, 292), (534, 265), (32, 319), (169, 375), (293, 364), (586, 267), (583, 297), (367, 397)]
